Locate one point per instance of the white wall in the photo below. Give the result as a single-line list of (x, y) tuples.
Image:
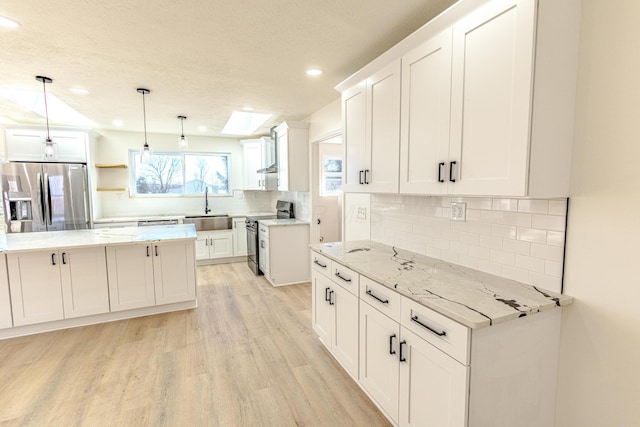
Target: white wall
[(114, 146), (599, 373), (325, 121)]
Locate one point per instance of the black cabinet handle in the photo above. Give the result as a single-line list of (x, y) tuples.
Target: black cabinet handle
[(316, 262), (331, 301), (156, 247), (385, 301), (326, 295), (366, 180), (64, 259), (342, 277), (391, 350), (147, 250), (361, 181), (430, 329), (451, 178), (402, 358), (53, 259), (440, 178)]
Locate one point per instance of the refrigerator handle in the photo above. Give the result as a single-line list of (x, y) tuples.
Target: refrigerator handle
[(41, 196), (47, 190)]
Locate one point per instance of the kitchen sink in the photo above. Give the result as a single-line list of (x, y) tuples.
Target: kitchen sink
[(210, 222)]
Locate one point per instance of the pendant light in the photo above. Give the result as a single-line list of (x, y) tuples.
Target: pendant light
[(145, 151), (183, 143), (49, 152)]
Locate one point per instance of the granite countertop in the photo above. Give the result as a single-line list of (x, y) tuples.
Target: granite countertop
[(281, 222), (21, 242), (107, 220), (470, 297)]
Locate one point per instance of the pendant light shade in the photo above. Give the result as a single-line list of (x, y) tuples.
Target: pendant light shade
[(49, 152), (145, 151), (183, 143)]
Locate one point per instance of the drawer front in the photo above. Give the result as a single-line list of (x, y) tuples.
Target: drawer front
[(444, 333), (263, 231), (380, 297), (321, 264), (345, 277)]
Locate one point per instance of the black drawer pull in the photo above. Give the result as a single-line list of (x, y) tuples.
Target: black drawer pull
[(342, 277), (384, 301), (440, 178), (391, 350), (316, 262), (438, 333), (64, 258)]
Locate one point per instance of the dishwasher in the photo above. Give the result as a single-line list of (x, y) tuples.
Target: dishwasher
[(149, 222)]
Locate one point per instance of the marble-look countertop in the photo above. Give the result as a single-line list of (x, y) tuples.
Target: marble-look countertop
[(470, 297), (21, 242), (107, 220), (281, 222)]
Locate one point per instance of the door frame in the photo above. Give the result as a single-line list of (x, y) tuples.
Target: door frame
[(314, 180)]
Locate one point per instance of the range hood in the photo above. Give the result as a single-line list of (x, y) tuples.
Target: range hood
[(269, 169), (272, 168)]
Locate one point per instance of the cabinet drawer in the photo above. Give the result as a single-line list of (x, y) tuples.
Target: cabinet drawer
[(382, 298), (345, 277), (321, 264), (444, 333), (263, 231)]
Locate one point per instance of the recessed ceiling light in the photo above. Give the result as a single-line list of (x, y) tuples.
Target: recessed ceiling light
[(117, 122), (8, 23), (244, 123), (314, 72), (248, 108), (202, 128), (79, 90), (59, 112)]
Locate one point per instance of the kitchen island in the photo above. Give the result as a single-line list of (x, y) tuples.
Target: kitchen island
[(60, 279)]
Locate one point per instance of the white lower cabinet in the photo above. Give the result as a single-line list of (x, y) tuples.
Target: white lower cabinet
[(283, 253), (239, 237), (335, 319), (54, 285), (150, 274), (5, 300), (214, 244)]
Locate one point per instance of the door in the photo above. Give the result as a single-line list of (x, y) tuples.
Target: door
[(491, 98), (34, 282), (323, 313), (354, 111), (383, 130), (345, 335), (433, 385), (221, 244), (65, 193), (239, 237), (173, 271), (426, 101), (379, 345), (84, 281), (5, 299), (22, 193), (130, 269)]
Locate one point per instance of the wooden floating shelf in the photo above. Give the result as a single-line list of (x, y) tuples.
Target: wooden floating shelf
[(111, 189), (111, 166)]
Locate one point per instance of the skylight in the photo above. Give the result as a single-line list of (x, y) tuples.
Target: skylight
[(59, 112), (244, 123)]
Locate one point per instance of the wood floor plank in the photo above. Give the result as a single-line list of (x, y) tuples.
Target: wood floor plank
[(247, 356)]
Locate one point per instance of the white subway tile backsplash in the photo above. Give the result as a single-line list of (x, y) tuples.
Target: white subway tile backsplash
[(520, 239)]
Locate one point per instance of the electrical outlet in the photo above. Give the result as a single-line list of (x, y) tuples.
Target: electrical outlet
[(361, 212), (458, 211)]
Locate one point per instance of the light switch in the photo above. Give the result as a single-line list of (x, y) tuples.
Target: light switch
[(458, 211)]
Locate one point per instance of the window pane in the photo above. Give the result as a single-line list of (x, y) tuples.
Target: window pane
[(207, 170), (161, 174), (333, 165), (332, 185)]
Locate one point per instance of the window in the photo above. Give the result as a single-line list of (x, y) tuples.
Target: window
[(331, 184), (176, 174)]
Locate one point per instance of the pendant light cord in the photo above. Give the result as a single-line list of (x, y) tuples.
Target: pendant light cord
[(46, 108), (182, 127), (144, 117)]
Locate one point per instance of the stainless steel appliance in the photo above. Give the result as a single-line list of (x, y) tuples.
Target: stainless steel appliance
[(283, 210), (150, 222), (44, 196)]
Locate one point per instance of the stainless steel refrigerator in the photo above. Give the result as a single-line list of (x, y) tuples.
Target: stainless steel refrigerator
[(44, 196)]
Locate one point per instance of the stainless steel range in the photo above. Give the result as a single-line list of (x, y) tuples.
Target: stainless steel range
[(283, 210)]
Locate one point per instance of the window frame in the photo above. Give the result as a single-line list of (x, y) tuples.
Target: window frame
[(322, 192)]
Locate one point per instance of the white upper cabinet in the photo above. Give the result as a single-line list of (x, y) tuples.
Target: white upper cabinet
[(426, 100), (371, 131), (488, 99), (27, 145), (293, 156), (258, 154)]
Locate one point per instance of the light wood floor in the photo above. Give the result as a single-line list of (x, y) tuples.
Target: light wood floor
[(246, 357)]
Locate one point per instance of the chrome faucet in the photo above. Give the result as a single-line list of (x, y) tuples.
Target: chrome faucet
[(206, 200)]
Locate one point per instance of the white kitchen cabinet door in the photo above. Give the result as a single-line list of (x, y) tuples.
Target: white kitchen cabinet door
[(239, 237), (34, 282), (221, 244), (173, 272), (293, 156), (379, 370), (354, 111), (382, 133), (322, 312), (252, 161), (263, 255), (85, 288), (202, 246), (426, 102), (5, 301), (433, 385), (345, 335), (492, 82), (283, 161), (130, 269), (27, 145)]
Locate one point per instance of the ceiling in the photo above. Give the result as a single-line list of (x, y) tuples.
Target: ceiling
[(201, 59)]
